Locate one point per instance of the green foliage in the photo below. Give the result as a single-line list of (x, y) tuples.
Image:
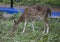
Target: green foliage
[(53, 3), (5, 1)]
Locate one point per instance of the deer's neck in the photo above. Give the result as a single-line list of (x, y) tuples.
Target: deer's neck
[(20, 20)]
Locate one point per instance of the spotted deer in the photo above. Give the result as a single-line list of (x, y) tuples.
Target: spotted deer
[(32, 13)]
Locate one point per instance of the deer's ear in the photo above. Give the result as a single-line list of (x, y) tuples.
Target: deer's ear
[(14, 21)]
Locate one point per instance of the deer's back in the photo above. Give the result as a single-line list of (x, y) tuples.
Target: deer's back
[(36, 12)]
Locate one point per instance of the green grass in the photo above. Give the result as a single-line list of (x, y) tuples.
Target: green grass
[(29, 36)]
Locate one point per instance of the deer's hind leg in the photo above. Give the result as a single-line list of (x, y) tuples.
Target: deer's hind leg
[(33, 26), (46, 26)]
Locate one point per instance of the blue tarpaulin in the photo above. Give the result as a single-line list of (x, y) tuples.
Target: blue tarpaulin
[(11, 10), (16, 10), (55, 13)]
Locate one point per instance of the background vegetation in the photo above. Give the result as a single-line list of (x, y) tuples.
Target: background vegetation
[(29, 36), (53, 3)]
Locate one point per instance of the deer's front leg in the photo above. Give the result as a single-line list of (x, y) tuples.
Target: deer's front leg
[(25, 24), (47, 28)]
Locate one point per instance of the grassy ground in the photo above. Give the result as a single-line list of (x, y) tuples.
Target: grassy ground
[(29, 36)]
